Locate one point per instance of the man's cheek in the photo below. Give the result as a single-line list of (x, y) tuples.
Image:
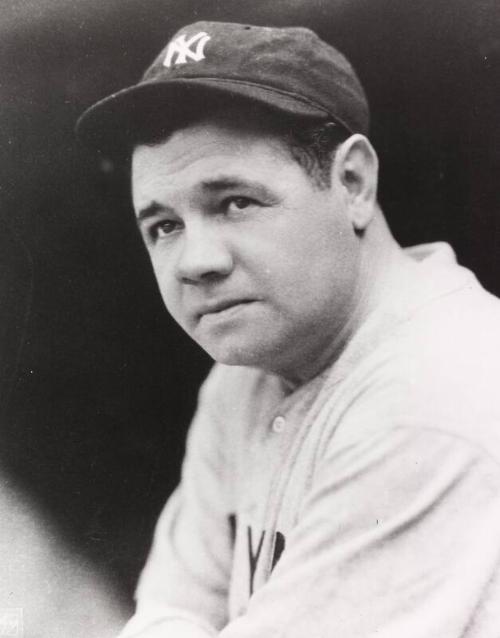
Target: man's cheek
[(175, 306), (167, 284)]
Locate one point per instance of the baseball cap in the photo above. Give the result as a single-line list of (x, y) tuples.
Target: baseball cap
[(290, 70)]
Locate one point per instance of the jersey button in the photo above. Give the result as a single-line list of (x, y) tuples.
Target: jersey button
[(279, 424)]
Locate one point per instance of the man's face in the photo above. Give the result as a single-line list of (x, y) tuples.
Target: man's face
[(255, 261)]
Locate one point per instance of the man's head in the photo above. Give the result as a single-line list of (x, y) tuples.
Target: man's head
[(253, 191), (257, 253)]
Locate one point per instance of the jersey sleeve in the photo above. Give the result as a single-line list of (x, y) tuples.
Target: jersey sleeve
[(182, 591), (399, 535)]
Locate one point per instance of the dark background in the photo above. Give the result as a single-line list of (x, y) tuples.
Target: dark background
[(96, 382)]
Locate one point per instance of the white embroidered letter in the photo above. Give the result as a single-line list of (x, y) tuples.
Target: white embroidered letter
[(182, 47)]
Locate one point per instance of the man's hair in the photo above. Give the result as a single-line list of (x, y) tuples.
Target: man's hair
[(313, 147), (312, 144)]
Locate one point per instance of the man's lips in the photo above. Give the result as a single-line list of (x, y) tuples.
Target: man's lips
[(215, 307)]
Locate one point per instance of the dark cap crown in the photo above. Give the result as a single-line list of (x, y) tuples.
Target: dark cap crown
[(288, 69)]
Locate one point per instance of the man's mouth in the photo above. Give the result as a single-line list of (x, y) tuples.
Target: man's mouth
[(222, 307)]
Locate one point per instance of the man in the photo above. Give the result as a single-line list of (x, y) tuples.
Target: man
[(342, 471)]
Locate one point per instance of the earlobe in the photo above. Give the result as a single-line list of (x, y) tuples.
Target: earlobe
[(357, 170)]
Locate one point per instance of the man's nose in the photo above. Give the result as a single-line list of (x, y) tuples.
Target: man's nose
[(203, 255)]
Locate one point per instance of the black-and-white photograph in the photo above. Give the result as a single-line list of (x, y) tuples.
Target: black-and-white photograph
[(249, 319)]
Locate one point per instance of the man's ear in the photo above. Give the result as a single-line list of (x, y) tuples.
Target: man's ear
[(355, 169)]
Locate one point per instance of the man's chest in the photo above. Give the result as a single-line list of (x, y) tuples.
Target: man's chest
[(274, 470)]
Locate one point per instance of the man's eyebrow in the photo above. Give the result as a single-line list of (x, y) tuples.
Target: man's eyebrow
[(150, 211), (214, 185), (220, 183)]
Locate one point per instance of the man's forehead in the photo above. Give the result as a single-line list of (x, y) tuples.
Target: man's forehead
[(233, 123), (203, 166), (203, 150), (197, 141)]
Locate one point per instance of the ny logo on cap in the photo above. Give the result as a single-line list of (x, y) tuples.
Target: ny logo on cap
[(182, 48)]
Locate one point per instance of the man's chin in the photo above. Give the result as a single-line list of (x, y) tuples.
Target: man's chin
[(246, 337), (238, 353), (232, 337), (232, 356)]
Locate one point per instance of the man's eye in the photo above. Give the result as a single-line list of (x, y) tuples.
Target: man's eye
[(238, 203), (164, 228)]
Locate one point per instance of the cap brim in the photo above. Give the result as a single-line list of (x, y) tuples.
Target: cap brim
[(112, 125)]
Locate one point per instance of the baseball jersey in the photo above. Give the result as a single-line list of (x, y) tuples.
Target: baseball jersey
[(365, 502)]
